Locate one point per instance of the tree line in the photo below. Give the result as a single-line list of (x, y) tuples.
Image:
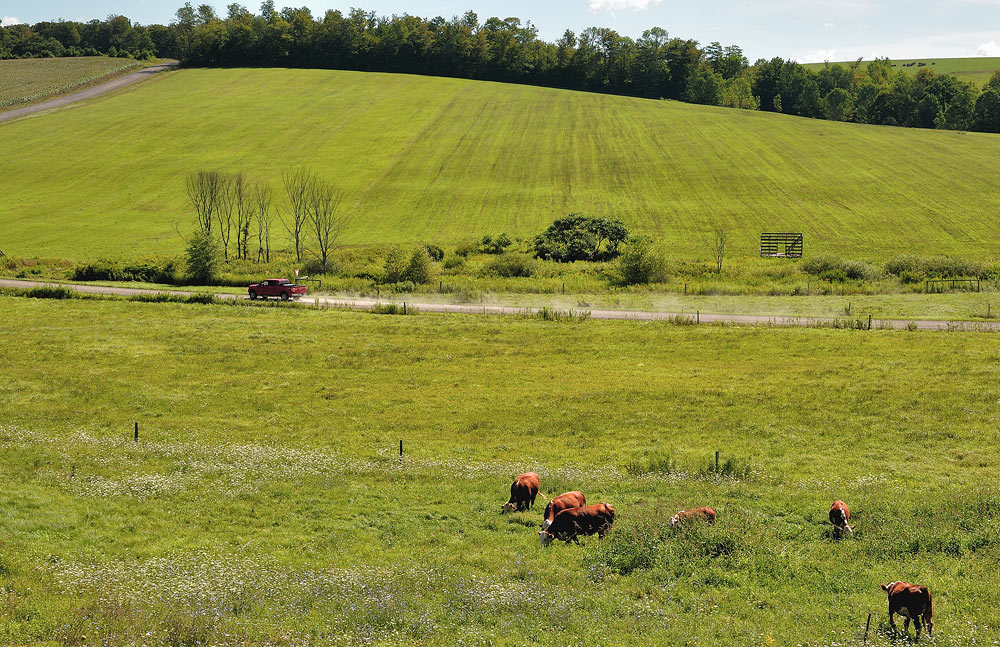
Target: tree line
[(598, 59)]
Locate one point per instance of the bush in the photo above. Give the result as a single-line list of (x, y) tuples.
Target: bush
[(498, 245), (435, 252), (467, 248), (510, 265), (395, 266), (834, 269), (420, 269), (202, 259), (640, 263), (454, 262), (580, 238), (142, 271), (907, 268)]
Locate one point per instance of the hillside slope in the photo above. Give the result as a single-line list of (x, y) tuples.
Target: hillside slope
[(975, 69), (432, 159)]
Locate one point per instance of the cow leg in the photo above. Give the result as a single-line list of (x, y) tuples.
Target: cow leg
[(892, 622), (930, 626), (906, 625), (916, 625)]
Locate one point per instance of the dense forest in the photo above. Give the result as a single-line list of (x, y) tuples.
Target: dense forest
[(656, 65)]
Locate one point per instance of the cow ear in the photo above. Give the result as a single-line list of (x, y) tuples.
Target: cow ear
[(885, 587)]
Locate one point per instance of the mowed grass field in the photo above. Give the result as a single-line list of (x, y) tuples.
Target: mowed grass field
[(975, 69), (425, 159), (30, 79), (265, 502)]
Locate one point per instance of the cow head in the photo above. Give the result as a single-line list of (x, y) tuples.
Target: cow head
[(546, 524), (508, 507), (676, 519), (888, 587), (545, 537)]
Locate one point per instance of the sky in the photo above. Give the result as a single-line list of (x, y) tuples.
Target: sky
[(802, 30)]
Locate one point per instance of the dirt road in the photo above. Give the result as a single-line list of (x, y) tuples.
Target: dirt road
[(634, 315), (89, 93)]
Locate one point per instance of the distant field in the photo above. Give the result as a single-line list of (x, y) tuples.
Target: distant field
[(977, 70), (442, 160), (24, 80), (265, 502)]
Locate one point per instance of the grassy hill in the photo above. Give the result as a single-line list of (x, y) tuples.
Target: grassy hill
[(30, 79), (433, 159), (978, 70)]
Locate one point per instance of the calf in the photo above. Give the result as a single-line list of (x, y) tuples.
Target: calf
[(913, 603), (562, 502), (572, 523), (687, 516), (840, 515), (523, 491)]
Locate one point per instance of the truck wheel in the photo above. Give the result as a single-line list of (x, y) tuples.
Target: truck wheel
[(253, 295), (284, 296)]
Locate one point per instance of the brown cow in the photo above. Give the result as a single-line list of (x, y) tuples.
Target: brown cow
[(687, 516), (913, 603), (562, 502), (840, 515), (571, 523), (523, 491)]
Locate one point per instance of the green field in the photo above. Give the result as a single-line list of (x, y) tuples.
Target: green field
[(442, 160), (29, 79), (977, 70), (265, 502)]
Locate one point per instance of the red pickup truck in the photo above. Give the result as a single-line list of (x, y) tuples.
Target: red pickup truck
[(282, 288)]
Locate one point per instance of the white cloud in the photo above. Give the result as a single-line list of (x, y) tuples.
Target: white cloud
[(820, 56), (597, 6), (988, 49), (828, 25), (6, 21)]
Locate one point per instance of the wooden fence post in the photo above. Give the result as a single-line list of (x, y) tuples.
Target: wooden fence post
[(716, 461), (867, 627), (869, 322), (401, 450), (136, 432)]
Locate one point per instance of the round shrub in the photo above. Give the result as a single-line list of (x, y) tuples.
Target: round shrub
[(435, 252), (510, 265), (641, 263), (420, 269), (454, 262)]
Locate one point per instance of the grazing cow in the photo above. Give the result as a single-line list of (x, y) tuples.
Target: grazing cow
[(571, 523), (840, 515), (523, 491), (687, 516), (573, 499), (913, 603)]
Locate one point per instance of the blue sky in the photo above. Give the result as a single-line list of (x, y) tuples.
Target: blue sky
[(805, 30)]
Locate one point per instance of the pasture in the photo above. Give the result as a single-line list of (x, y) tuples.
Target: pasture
[(425, 159), (978, 70), (265, 502), (30, 79)]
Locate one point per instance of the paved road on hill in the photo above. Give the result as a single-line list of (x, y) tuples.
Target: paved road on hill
[(89, 93), (634, 315)]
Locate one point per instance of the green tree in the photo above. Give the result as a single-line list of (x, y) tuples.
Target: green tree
[(987, 114), (838, 105), (705, 86), (641, 263), (420, 269), (395, 265), (202, 258), (738, 93)]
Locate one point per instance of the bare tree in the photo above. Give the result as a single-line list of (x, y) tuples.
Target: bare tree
[(204, 190), (720, 247), (243, 206), (298, 186), (224, 212), (262, 201), (324, 218)]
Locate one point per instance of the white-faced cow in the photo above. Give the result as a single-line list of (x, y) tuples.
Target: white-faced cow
[(523, 491), (562, 502), (572, 523), (689, 516), (913, 603), (840, 516)]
